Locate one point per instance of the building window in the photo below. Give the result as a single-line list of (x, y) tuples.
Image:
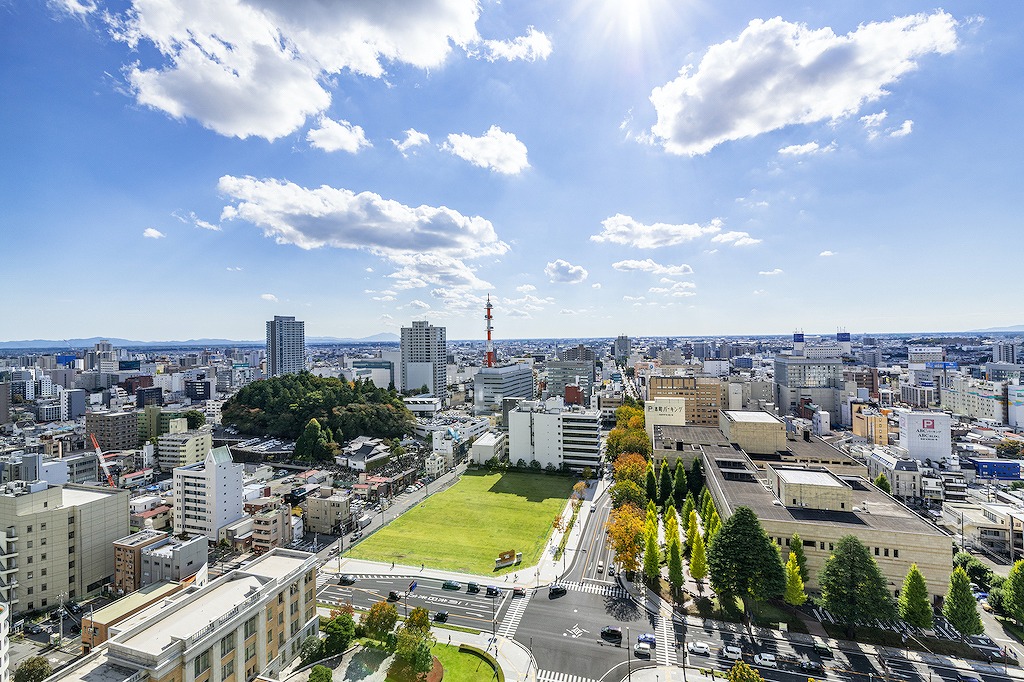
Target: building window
[(822, 545), (42, 557), (250, 627), (876, 551), (250, 652), (42, 526), (227, 670), (895, 554), (30, 575), (270, 636), (202, 663), (42, 571), (886, 551), (28, 529)]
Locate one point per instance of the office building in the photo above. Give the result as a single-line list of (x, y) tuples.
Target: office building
[(5, 402), (425, 359), (974, 398), (128, 559), (208, 495), (926, 436), (286, 346), (113, 430), (704, 396), (1015, 405), (247, 623), (493, 384), (327, 511), (622, 348), (57, 539), (183, 449), (174, 559), (562, 373), (1007, 351), (870, 423), (5, 642), (815, 379), (577, 353), (554, 435)]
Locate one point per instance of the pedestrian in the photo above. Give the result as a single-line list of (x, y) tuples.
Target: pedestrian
[(421, 566), (392, 565)]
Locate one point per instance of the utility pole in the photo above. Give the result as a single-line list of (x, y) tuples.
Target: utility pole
[(629, 659), (60, 610)]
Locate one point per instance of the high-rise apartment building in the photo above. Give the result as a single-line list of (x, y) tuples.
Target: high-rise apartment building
[(562, 373), (113, 430), (816, 379), (704, 396), (491, 385), (425, 359), (183, 449), (622, 347), (553, 434), (286, 346), (208, 495), (5, 402)]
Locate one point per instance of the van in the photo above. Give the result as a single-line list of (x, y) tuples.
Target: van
[(493, 591)]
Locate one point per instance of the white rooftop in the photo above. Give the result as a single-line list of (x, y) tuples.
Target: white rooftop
[(751, 416), (809, 477)]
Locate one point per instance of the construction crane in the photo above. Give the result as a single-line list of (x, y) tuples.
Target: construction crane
[(103, 462)]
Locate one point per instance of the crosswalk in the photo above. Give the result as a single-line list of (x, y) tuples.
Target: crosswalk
[(514, 615), (663, 632), (592, 588), (553, 676)]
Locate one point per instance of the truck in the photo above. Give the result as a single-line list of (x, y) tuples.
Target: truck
[(364, 521)]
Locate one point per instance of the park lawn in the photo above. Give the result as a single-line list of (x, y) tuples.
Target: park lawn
[(459, 666), (465, 527)]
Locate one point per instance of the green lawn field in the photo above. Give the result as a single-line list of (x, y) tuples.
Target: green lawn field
[(465, 527)]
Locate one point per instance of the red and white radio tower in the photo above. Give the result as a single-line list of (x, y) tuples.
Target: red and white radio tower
[(490, 344)]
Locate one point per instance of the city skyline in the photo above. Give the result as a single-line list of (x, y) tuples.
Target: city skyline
[(695, 170)]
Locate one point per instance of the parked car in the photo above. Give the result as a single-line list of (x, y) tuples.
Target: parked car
[(642, 650), (451, 585), (733, 653), (648, 638), (441, 616), (699, 648), (556, 590), (611, 632), (766, 660)]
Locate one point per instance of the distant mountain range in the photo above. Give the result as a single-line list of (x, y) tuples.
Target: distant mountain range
[(990, 330), (64, 344)]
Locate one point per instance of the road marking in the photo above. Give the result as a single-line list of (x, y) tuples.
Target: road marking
[(575, 632), (554, 676), (610, 590), (514, 615), (663, 632)]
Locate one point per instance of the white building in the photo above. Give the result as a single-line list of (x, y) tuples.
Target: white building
[(975, 398), (551, 433), (493, 384), (491, 444), (5, 643), (926, 435), (286, 346), (208, 495), (424, 359), (1015, 405)]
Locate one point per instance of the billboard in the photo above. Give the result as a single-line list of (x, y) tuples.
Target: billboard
[(941, 365)]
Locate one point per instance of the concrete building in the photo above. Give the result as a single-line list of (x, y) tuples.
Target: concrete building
[(622, 347), (208, 495), (57, 539), (491, 385), (183, 449), (664, 412), (492, 444), (5, 402), (424, 359), (247, 623), (704, 396), (606, 401), (272, 525), (904, 473), (870, 423), (553, 434), (975, 398), (128, 559), (286, 346), (816, 379), (926, 435), (327, 511), (96, 625), (113, 430), (563, 373), (5, 643)]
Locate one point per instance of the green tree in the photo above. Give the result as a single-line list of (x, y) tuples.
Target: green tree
[(194, 419), (664, 485), (422, 659), (418, 620), (626, 535), (853, 589), (675, 564), (321, 673), (695, 480), (741, 672), (33, 669), (960, 607), (671, 522), (882, 483), (652, 558), (630, 466), (627, 492), (794, 594), (796, 546), (679, 484), (312, 649), (698, 560), (587, 473), (312, 441), (1013, 593), (652, 485), (380, 620), (688, 506), (1010, 449), (979, 573), (743, 560), (692, 531), (406, 642), (622, 440), (913, 605), (340, 631)]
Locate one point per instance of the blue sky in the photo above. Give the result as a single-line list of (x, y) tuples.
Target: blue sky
[(180, 169)]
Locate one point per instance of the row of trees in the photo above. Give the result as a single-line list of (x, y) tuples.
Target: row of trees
[(283, 407)]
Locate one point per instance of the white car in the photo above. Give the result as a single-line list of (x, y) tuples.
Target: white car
[(700, 648), (733, 653), (642, 650), (766, 660)]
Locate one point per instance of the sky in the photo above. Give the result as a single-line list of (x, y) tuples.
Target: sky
[(179, 169)]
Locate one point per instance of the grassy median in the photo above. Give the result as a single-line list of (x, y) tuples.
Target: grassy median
[(465, 527)]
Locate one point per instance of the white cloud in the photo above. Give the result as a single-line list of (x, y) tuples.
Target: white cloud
[(622, 229), (259, 68), (76, 8), (531, 47), (525, 288), (333, 136), (735, 238), (269, 297), (369, 269), (808, 148), (192, 218), (413, 138), (500, 151), (826, 254), (152, 233), (648, 265), (566, 311), (234, 269), (633, 298), (418, 304), (903, 130), (771, 273), (874, 120), (565, 272), (777, 73), (595, 285), (759, 292), (433, 269), (676, 289)]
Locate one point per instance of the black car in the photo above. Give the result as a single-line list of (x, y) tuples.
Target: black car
[(346, 579), (809, 666), (472, 588), (556, 590), (493, 591), (74, 608), (611, 632), (33, 629), (441, 616), (451, 585)]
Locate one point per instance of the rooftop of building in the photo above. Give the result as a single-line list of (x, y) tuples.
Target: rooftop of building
[(133, 601), (802, 476), (689, 435), (751, 417), (490, 438), (140, 538)]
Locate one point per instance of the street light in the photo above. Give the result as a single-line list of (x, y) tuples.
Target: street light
[(629, 659)]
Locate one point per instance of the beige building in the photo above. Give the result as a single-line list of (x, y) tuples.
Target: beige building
[(870, 423), (247, 623), (128, 559), (96, 625), (327, 511), (664, 412), (757, 433), (113, 430), (57, 539), (272, 526), (183, 449), (704, 396)]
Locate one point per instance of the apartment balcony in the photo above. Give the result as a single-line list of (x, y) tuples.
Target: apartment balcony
[(10, 550), (8, 567)]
